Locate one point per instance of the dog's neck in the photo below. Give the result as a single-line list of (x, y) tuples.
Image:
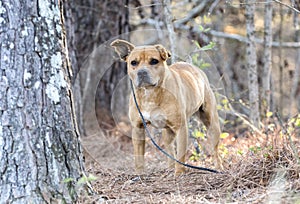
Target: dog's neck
[(164, 81)]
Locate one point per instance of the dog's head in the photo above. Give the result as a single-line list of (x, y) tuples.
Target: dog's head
[(145, 64)]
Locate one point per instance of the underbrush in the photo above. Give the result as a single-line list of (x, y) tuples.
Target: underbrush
[(260, 167)]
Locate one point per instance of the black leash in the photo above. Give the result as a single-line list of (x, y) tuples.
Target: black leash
[(157, 146)]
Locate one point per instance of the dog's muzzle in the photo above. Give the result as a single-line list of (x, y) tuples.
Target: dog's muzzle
[(144, 78)]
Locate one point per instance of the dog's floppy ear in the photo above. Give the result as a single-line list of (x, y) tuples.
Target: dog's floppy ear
[(164, 53), (123, 48)]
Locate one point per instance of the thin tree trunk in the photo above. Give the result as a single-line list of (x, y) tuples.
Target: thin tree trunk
[(170, 27), (266, 78), (39, 140), (281, 94), (251, 64), (296, 79)]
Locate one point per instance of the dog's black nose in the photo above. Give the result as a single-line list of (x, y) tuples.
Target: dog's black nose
[(142, 74)]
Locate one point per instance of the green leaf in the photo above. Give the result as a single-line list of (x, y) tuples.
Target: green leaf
[(198, 134), (297, 122), (92, 177), (201, 28), (240, 152), (269, 114), (67, 180), (197, 44), (205, 65), (207, 29), (219, 107), (206, 19), (255, 149), (210, 46), (224, 135), (85, 179), (224, 101)]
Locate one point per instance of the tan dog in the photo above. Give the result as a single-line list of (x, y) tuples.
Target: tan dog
[(168, 96)]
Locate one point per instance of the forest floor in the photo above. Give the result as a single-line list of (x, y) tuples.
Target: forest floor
[(258, 169)]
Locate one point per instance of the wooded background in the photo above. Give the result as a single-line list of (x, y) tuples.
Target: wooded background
[(256, 52)]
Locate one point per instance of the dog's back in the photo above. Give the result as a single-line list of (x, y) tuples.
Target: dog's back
[(194, 79)]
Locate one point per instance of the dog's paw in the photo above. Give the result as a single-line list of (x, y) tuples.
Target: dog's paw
[(218, 163), (139, 172), (219, 166), (179, 171)]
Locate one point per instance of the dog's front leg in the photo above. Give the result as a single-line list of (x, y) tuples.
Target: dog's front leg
[(168, 139), (181, 142), (138, 139)]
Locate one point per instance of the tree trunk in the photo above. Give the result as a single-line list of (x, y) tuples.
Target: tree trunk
[(170, 27), (296, 80), (115, 23), (281, 94), (251, 64), (70, 22), (295, 89), (266, 76), (39, 140)]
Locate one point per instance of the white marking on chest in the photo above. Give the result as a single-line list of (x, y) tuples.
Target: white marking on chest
[(147, 94), (146, 116)]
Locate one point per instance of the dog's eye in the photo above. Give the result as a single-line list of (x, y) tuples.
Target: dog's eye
[(134, 63), (153, 61)]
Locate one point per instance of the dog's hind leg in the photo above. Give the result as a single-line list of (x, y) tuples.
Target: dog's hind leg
[(138, 140), (209, 116)]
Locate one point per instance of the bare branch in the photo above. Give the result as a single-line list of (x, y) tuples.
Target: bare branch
[(266, 2), (193, 13), (213, 6), (241, 116), (286, 5), (179, 4), (220, 34), (150, 21), (142, 6), (256, 40)]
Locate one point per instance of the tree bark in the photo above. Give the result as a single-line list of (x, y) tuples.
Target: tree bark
[(70, 25), (294, 96), (39, 140), (295, 89), (251, 64), (266, 75), (280, 55)]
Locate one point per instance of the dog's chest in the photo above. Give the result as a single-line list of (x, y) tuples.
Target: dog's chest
[(157, 118), (154, 115)]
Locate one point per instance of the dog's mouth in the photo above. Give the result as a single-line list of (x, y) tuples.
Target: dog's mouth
[(145, 81), (141, 84)]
